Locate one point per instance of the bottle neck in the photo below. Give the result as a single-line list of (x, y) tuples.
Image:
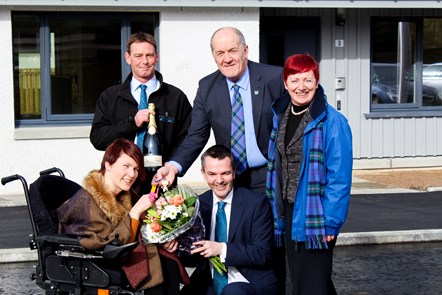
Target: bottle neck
[(152, 125)]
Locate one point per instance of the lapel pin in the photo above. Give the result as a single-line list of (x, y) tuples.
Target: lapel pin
[(256, 92)]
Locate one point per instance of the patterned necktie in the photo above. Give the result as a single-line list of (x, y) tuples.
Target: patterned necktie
[(142, 106), (220, 281), (238, 138)]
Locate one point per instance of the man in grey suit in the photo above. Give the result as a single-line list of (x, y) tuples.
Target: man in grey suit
[(259, 85)]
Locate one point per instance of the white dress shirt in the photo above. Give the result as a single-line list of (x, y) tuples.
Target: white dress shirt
[(233, 275)]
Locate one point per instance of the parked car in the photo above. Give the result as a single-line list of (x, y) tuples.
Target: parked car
[(384, 84), (432, 77)]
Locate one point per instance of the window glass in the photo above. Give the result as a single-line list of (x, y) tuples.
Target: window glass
[(406, 68), (393, 62), (63, 61), (432, 63), (27, 82), (85, 59), (143, 23)]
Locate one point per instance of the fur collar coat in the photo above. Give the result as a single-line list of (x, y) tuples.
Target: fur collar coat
[(97, 218), (95, 215)]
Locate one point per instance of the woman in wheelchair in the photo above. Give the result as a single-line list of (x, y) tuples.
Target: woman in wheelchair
[(102, 212)]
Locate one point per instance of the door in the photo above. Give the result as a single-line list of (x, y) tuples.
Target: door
[(281, 37)]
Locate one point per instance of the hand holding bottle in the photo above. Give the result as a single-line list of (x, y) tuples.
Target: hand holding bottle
[(152, 146), (142, 116)]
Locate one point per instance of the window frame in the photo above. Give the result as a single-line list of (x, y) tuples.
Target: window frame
[(415, 109), (47, 118)]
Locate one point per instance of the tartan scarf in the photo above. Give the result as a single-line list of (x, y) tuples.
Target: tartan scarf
[(315, 236), (315, 224), (279, 223)]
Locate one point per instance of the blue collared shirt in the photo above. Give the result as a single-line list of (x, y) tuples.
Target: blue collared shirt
[(254, 155)]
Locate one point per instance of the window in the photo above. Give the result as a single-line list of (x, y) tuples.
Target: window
[(406, 64), (63, 61)]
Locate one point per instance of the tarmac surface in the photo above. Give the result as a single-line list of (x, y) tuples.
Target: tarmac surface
[(390, 269)]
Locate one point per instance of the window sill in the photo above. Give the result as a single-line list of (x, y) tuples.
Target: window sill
[(58, 132), (402, 114)]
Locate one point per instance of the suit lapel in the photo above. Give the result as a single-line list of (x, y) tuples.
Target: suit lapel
[(206, 203), (236, 212), (257, 93)]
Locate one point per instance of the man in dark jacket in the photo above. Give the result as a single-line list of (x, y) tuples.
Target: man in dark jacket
[(117, 113)]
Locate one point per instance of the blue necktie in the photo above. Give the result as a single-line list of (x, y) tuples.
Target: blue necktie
[(142, 106), (220, 281), (238, 137)]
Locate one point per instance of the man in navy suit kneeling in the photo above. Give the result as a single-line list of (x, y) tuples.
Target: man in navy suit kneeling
[(243, 242)]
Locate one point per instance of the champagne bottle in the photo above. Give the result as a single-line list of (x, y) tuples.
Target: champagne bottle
[(152, 148)]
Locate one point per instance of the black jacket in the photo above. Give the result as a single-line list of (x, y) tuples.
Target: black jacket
[(116, 109)]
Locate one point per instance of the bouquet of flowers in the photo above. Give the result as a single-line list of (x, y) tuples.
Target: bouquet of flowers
[(173, 213)]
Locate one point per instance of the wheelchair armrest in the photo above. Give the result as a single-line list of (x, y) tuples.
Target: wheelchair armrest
[(59, 239), (111, 251)]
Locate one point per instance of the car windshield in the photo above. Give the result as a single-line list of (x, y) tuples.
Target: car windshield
[(432, 71)]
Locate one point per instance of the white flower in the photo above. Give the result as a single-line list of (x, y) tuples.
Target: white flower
[(151, 235), (171, 212), (164, 184)]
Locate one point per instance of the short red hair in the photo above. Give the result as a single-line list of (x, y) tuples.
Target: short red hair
[(300, 63), (123, 146)]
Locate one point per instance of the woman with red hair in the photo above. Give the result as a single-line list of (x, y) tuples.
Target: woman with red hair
[(309, 175)]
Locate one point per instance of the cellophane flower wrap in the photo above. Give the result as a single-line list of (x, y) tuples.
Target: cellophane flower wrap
[(173, 213), (197, 233)]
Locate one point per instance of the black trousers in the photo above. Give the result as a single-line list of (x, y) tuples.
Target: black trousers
[(310, 270), (279, 267)]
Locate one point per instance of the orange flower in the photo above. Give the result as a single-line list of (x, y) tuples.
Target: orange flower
[(176, 200), (155, 226)]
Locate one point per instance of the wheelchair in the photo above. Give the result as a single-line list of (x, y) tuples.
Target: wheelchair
[(64, 266)]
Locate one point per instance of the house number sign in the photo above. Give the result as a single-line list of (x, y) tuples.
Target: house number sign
[(339, 43)]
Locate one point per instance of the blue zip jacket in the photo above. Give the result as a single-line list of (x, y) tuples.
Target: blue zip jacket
[(338, 161)]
